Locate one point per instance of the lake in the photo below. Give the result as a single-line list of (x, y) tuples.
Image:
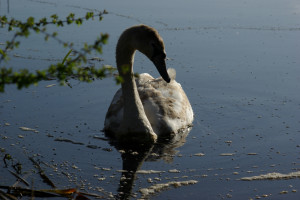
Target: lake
[(238, 62)]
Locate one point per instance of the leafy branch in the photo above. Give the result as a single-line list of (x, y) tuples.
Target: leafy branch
[(60, 71)]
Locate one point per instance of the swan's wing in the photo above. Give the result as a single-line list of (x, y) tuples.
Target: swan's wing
[(166, 104)]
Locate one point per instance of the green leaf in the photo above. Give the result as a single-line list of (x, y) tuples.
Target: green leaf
[(89, 15), (30, 21)]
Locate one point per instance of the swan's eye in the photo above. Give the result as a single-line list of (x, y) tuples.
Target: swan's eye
[(158, 52)]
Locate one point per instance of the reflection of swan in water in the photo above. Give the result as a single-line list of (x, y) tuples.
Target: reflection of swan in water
[(150, 107), (134, 155)]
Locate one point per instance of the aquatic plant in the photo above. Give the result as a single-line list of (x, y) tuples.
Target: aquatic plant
[(61, 70)]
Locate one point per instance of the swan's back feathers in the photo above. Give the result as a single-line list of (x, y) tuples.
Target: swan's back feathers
[(166, 105)]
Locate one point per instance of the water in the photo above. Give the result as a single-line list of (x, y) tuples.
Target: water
[(238, 62)]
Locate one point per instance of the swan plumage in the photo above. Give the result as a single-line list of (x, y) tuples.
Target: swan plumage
[(158, 107)]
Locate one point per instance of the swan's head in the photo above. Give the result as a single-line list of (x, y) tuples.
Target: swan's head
[(149, 42), (158, 57)]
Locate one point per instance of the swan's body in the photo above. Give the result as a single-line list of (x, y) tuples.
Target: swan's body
[(150, 107)]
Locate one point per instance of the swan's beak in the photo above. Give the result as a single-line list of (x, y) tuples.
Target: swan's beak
[(160, 64)]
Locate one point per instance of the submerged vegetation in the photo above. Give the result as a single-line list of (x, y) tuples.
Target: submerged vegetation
[(27, 189), (60, 71)]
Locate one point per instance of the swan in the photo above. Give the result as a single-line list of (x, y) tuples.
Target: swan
[(146, 108)]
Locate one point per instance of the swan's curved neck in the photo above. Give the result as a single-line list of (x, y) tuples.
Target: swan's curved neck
[(134, 117)]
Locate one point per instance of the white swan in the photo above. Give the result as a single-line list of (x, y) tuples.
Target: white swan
[(149, 107)]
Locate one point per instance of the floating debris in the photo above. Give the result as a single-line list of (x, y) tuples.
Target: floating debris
[(122, 151), (199, 154), (28, 129), (227, 154), (19, 177), (100, 138), (163, 186), (121, 170), (251, 154), (174, 171), (283, 192), (228, 195), (74, 167), (154, 154), (67, 140), (149, 172), (51, 85), (157, 179), (42, 173), (273, 176)]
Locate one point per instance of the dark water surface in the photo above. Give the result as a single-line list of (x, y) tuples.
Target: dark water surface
[(238, 62)]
